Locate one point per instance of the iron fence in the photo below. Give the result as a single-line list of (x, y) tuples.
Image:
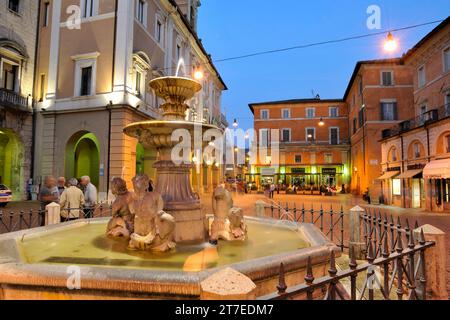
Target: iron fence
[(17, 221), (330, 222), (393, 276)]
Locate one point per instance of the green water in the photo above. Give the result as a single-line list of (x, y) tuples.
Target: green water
[(87, 245)]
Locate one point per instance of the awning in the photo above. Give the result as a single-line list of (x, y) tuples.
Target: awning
[(410, 174), (439, 169), (389, 175)]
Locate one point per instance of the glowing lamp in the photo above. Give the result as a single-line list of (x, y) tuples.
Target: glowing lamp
[(390, 45)]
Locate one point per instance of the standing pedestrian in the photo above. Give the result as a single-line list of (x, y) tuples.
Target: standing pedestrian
[(72, 200), (48, 194), (90, 197), (272, 191), (61, 184)]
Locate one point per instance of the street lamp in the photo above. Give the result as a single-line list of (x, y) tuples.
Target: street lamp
[(321, 122), (390, 45), (235, 124), (198, 74)]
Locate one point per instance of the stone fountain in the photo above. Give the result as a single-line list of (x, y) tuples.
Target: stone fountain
[(173, 181)]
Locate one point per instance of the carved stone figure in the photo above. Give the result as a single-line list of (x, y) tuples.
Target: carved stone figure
[(122, 222), (222, 202), (228, 221), (153, 228), (238, 228)]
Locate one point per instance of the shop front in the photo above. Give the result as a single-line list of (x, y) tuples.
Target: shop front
[(437, 176), (413, 187), (391, 187)]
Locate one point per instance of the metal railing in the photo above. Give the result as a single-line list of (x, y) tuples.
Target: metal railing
[(14, 100), (17, 221), (427, 118), (393, 276), (330, 222)]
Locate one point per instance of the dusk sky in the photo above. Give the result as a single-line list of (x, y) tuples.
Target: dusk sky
[(231, 28)]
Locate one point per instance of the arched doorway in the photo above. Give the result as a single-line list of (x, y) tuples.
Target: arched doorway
[(11, 159), (83, 157)]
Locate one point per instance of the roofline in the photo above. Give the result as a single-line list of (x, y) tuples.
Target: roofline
[(197, 40), (433, 32), (293, 101), (359, 64)]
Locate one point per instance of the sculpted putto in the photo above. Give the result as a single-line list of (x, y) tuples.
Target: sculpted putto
[(228, 221), (122, 222), (153, 228)]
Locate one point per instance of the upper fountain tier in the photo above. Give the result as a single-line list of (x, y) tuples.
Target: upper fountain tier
[(175, 91)]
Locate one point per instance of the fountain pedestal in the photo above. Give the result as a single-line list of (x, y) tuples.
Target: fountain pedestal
[(173, 180)]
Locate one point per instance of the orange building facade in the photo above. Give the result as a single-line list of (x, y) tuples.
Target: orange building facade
[(312, 136), (416, 153)]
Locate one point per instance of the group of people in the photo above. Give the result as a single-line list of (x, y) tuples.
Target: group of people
[(76, 198)]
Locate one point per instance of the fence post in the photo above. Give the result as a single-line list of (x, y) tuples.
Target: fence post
[(435, 260), (52, 214), (356, 245)]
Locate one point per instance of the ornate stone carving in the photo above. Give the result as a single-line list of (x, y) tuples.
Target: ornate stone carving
[(122, 222), (238, 228), (153, 228)]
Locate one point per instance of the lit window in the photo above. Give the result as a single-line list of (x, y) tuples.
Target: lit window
[(387, 78), (397, 187), (14, 5), (310, 134), (10, 79), (421, 76), (265, 114)]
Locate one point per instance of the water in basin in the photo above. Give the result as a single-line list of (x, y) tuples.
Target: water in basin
[(87, 245)]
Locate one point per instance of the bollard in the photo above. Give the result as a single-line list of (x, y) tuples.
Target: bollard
[(228, 284), (260, 209), (52, 214), (356, 245), (435, 262)]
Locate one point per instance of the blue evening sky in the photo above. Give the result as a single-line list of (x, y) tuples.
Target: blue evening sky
[(231, 28)]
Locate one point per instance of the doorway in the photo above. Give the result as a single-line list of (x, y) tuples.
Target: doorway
[(416, 194)]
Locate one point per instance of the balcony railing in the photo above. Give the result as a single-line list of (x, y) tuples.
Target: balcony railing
[(427, 118), (14, 100)]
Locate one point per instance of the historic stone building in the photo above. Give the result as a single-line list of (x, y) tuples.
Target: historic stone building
[(95, 59), (18, 25), (314, 148), (416, 153)]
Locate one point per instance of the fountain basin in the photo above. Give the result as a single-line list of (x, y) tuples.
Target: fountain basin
[(34, 263)]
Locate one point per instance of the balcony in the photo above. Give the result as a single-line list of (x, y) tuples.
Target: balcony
[(425, 119), (14, 101)]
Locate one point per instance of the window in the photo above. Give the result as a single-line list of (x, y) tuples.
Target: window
[(159, 31), (286, 113), (361, 88), (355, 125), (310, 134), (397, 187), (387, 78), (42, 88), (46, 14), (138, 83), (265, 114), (286, 135), (388, 111), (310, 113), (89, 8), (394, 155), (416, 150), (447, 60), (86, 81), (264, 137), (447, 141), (298, 158), (334, 136), (10, 76), (328, 157), (14, 5), (334, 112), (141, 11), (421, 76), (361, 118), (178, 52)]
